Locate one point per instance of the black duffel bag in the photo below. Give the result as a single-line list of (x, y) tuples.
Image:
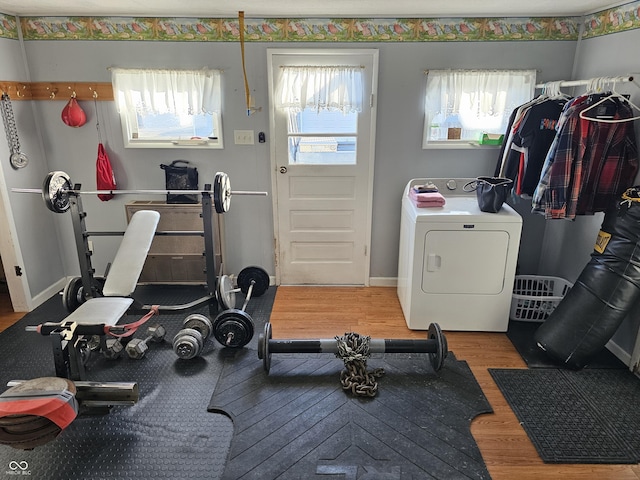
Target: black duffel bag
[(180, 176)]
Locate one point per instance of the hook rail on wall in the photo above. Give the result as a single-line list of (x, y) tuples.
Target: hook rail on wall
[(57, 90)]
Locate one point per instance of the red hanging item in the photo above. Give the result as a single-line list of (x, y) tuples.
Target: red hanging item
[(105, 179), (72, 113)]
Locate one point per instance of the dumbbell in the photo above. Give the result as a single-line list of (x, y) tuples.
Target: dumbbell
[(435, 345), (189, 342), (234, 326), (137, 348)]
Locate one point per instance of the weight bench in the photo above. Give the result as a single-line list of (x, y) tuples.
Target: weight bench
[(99, 316)]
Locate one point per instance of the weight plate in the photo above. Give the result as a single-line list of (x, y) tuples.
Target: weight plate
[(73, 294), (18, 160), (259, 275), (263, 347), (226, 295), (437, 358), (233, 328), (199, 323), (188, 343), (221, 192), (55, 191)]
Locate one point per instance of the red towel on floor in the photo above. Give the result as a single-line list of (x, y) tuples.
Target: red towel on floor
[(425, 200)]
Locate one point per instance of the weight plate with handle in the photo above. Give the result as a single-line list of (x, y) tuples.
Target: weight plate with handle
[(73, 294)]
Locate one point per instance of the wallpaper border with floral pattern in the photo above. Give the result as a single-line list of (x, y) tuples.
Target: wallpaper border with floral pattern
[(613, 20)]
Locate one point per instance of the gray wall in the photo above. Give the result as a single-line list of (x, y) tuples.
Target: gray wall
[(249, 229)]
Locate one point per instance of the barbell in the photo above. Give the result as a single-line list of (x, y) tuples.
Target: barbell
[(435, 345), (57, 190)]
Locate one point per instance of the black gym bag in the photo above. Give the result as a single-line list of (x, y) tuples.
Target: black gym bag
[(181, 177)]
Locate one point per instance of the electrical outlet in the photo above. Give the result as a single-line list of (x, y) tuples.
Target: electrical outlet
[(243, 137)]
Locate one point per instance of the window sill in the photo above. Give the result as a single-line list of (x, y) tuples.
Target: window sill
[(455, 145)]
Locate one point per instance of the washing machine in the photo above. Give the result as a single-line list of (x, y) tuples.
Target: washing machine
[(456, 264)]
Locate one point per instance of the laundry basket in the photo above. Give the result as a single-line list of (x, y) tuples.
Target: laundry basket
[(535, 297)]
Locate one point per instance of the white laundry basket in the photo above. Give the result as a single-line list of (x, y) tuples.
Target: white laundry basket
[(535, 297)]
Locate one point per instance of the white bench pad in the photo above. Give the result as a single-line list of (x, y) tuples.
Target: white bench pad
[(95, 311), (126, 268)]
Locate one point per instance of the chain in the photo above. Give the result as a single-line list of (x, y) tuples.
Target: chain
[(353, 349), (9, 123)]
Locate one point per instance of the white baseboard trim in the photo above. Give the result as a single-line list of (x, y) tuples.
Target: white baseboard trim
[(48, 293), (383, 282)]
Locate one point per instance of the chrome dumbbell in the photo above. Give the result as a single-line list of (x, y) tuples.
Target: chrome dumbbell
[(189, 342), (137, 348)]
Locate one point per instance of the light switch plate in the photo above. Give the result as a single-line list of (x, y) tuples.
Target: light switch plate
[(243, 137)]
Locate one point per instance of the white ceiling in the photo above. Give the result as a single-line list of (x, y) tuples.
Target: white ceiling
[(306, 8)]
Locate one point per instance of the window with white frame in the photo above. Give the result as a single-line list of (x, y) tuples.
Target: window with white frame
[(322, 104), (463, 105), (169, 108)]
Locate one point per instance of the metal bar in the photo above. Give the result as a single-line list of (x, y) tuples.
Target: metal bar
[(330, 345), (139, 192), (578, 83), (169, 233)]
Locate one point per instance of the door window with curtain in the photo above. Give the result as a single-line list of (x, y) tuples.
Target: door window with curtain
[(463, 105), (169, 108), (322, 104)]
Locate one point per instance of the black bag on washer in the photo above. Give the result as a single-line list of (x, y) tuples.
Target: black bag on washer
[(181, 177), (491, 192)]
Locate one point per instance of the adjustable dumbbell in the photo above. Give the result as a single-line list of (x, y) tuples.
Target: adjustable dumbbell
[(137, 348), (234, 327), (189, 342), (435, 345)]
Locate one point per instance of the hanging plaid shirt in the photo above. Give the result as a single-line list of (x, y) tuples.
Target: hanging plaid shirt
[(589, 164)]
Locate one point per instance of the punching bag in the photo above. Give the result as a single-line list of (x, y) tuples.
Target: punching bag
[(602, 296)]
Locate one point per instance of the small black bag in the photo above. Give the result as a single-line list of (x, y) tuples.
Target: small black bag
[(181, 177), (490, 191)]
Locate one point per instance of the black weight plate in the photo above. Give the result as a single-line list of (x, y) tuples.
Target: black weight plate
[(73, 294), (233, 328), (259, 275), (55, 191), (263, 347), (437, 358), (221, 192)]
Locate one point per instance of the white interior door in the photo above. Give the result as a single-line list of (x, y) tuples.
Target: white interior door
[(323, 177)]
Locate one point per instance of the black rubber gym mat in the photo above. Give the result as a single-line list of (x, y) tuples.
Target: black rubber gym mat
[(521, 335), (587, 416), (168, 434), (298, 423)]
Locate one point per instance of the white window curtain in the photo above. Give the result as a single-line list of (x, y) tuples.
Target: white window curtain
[(178, 92), (477, 99), (320, 88)]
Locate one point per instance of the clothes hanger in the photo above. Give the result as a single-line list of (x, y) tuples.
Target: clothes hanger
[(613, 95)]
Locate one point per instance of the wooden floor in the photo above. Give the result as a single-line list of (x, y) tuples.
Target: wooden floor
[(321, 312)]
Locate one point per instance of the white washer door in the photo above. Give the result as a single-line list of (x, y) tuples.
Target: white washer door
[(464, 262)]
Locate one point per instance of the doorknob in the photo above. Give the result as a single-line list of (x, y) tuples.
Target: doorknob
[(283, 169)]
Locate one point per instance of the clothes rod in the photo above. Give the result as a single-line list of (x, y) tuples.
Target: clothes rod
[(577, 83)]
